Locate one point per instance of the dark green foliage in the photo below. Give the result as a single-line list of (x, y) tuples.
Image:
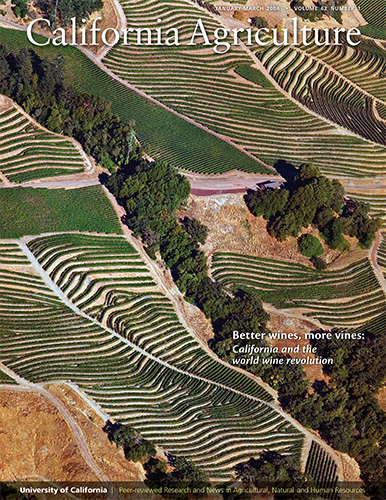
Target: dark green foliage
[(66, 9), (135, 447), (152, 193), (346, 412), (187, 473), (356, 222), (309, 246), (184, 474), (9, 492), (196, 230), (266, 203), (333, 232), (20, 8), (272, 468), (38, 85), (259, 22), (313, 199)]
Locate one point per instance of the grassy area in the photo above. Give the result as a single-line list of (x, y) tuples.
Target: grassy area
[(253, 75), (165, 135), (30, 211)]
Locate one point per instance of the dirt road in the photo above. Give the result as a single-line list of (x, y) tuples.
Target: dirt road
[(374, 262), (76, 431)]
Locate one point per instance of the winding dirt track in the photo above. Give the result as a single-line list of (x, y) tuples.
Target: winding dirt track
[(374, 262), (25, 385)]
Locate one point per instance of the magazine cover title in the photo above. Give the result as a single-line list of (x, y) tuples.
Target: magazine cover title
[(221, 39)]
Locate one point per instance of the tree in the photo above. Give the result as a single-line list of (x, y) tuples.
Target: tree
[(196, 230), (185, 474), (318, 263), (274, 469), (66, 9), (309, 246), (20, 8), (135, 447), (259, 22)]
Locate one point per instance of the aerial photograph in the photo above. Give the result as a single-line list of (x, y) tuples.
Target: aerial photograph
[(192, 249)]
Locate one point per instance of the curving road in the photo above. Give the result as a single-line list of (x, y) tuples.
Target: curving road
[(75, 429)]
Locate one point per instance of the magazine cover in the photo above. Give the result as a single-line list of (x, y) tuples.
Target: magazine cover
[(192, 249)]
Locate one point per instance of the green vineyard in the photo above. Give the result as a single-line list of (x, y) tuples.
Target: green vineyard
[(374, 13), (105, 278), (322, 468), (163, 134), (381, 255), (28, 152), (307, 77), (348, 297), (364, 65), (136, 361), (250, 114), (32, 211)]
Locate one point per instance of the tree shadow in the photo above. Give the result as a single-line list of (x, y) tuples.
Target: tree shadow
[(286, 170), (110, 427)]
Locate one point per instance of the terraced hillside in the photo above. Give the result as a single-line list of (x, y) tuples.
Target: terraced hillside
[(364, 65), (324, 90), (146, 380), (374, 13), (105, 278), (204, 86), (349, 297), (10, 254), (28, 152)]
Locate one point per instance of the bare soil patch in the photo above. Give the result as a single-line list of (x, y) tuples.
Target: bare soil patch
[(109, 459), (36, 441), (195, 319), (382, 398), (232, 228)]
